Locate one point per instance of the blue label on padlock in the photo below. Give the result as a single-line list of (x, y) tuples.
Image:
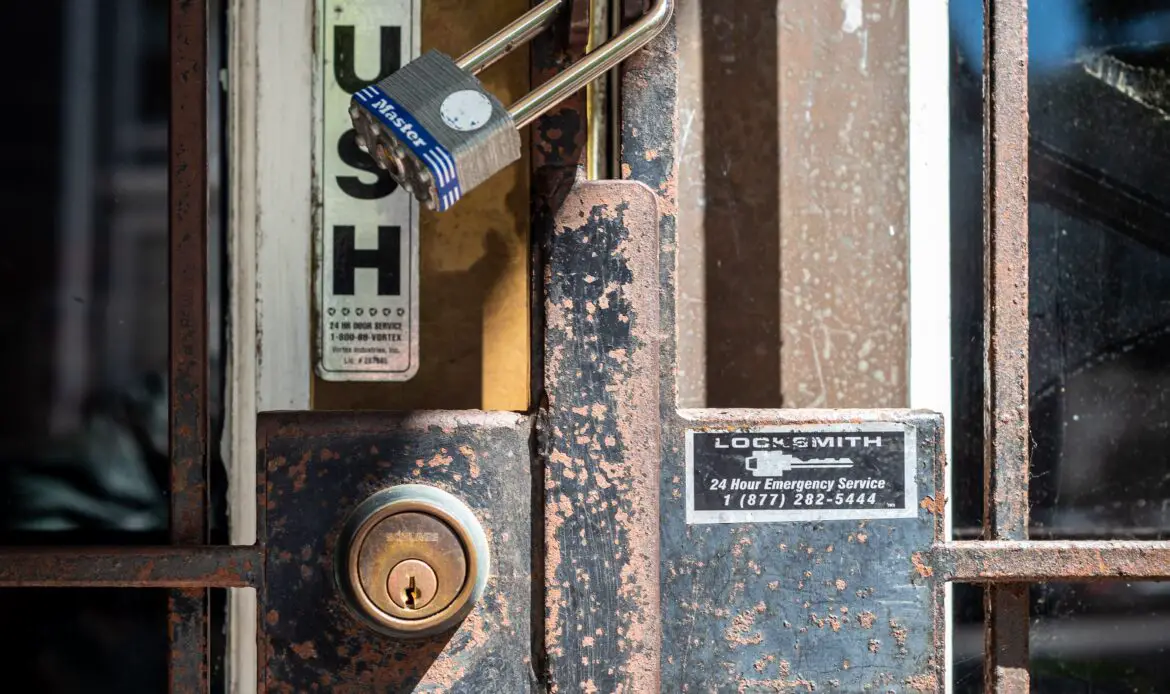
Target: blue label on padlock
[(434, 155)]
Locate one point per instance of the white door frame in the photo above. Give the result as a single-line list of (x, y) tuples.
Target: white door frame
[(270, 134), (930, 232)]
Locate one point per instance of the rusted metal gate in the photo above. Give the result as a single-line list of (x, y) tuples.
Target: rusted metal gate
[(600, 582)]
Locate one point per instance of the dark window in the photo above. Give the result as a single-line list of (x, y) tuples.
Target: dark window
[(1100, 325)]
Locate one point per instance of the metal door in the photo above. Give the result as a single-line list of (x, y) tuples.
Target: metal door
[(614, 569)]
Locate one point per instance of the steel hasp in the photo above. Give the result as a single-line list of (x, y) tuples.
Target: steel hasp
[(599, 440), (817, 575)]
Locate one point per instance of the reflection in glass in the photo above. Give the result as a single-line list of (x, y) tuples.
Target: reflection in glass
[(84, 314), (1100, 333), (1090, 638), (86, 450)]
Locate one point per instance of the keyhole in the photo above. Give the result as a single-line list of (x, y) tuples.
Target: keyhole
[(412, 585), (410, 595)]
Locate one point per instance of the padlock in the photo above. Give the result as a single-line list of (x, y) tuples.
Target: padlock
[(439, 133)]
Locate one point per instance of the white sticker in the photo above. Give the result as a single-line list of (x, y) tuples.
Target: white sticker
[(367, 265), (466, 111), (800, 473)]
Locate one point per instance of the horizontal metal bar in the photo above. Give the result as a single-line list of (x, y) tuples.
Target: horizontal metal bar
[(1035, 562), (130, 567), (1114, 533)]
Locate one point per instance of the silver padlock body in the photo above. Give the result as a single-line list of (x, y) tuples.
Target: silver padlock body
[(435, 129)]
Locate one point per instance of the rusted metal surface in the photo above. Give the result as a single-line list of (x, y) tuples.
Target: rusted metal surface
[(188, 271), (738, 606), (734, 48), (187, 631), (650, 127), (187, 193), (634, 599), (793, 204), (131, 567), (825, 606), (843, 210), (1006, 271), (320, 466), (1005, 638), (558, 144), (1036, 562), (649, 122), (1006, 442), (599, 439), (559, 137)]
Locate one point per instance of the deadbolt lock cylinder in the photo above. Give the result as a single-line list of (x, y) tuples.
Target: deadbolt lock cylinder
[(411, 561)]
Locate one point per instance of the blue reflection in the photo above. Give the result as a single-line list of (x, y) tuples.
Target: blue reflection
[(1058, 30)]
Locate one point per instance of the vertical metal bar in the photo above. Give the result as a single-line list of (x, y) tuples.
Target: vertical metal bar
[(187, 193), (1006, 436)]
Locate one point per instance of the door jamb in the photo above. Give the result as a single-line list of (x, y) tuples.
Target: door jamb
[(269, 81)]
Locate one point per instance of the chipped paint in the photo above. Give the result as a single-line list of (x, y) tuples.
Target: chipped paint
[(309, 635), (602, 612), (711, 576)]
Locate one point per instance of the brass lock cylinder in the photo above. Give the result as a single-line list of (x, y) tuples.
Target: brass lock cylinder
[(411, 561)]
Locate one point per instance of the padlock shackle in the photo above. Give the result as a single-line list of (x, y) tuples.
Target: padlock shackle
[(511, 37), (596, 63), (601, 59)]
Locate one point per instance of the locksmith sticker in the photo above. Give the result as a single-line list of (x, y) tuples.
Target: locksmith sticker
[(802, 473)]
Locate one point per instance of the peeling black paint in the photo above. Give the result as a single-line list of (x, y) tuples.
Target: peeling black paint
[(320, 465), (602, 431)]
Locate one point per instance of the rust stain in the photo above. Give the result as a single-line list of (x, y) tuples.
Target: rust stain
[(472, 460), (298, 472), (632, 395), (936, 506), (1023, 561), (923, 683), (440, 460), (451, 665), (305, 651), (923, 570), (898, 632), (740, 632)]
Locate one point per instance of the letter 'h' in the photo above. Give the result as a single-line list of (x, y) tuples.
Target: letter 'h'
[(386, 259)]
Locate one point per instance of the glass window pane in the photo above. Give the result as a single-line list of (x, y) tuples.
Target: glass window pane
[(84, 312), (1100, 267), (1100, 332), (1086, 638), (86, 296), (83, 640)]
